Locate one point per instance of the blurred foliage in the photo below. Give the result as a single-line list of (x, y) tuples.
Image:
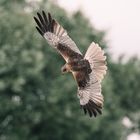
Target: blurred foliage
[(37, 102)]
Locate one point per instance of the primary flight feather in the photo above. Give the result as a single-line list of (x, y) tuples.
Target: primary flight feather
[(87, 70)]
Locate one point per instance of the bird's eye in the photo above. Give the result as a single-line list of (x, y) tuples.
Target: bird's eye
[(64, 69)]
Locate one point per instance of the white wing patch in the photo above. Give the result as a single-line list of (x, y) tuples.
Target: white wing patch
[(51, 38), (60, 35), (97, 60)]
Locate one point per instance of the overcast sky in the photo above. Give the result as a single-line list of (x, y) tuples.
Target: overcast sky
[(120, 17)]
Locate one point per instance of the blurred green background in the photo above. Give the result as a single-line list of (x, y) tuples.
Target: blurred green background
[(37, 102)]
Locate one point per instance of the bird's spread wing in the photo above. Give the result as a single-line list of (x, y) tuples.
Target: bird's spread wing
[(91, 99), (56, 36), (89, 92)]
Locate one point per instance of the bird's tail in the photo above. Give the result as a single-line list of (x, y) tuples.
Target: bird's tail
[(97, 60)]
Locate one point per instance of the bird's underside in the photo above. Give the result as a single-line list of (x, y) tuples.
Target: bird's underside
[(88, 70)]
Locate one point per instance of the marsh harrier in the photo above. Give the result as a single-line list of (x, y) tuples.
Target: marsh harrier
[(88, 70)]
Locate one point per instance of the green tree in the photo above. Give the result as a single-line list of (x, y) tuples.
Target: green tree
[(126, 77)]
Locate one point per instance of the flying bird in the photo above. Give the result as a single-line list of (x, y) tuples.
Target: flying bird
[(88, 70)]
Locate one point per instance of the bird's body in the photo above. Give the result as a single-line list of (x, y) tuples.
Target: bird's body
[(88, 70), (80, 69)]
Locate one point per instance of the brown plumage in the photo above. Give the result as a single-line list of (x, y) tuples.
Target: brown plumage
[(87, 70)]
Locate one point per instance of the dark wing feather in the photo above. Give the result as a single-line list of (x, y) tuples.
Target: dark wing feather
[(57, 36)]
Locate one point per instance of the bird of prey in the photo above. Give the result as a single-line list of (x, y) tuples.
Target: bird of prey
[(88, 70)]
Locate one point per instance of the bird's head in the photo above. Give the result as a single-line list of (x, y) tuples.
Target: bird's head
[(64, 70)]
